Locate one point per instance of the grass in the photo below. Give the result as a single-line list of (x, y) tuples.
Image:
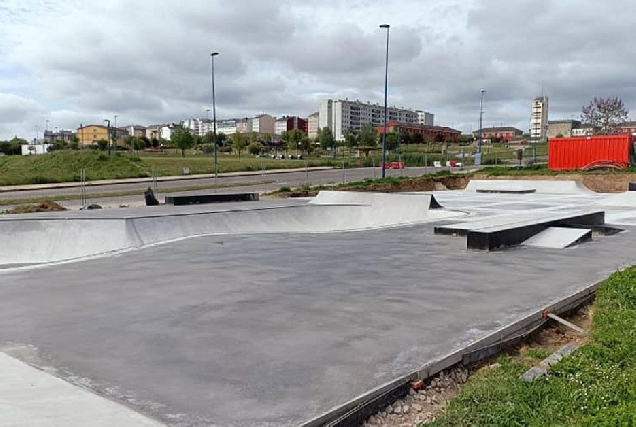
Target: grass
[(594, 386), (65, 166)]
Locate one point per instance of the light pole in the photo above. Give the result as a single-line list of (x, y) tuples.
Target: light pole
[(108, 133), (216, 164), (115, 142), (481, 116), (386, 86)]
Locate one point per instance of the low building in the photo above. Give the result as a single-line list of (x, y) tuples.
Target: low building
[(628, 127), (428, 132), (562, 128), (502, 133), (63, 136), (136, 131), (35, 149)]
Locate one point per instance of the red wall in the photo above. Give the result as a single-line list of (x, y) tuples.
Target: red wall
[(577, 153)]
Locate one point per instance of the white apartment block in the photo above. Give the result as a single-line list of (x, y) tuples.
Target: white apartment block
[(539, 119), (340, 115), (313, 123), (280, 126), (425, 118)]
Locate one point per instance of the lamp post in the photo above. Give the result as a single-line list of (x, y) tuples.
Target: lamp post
[(108, 133), (481, 116), (216, 164), (115, 144), (386, 85)]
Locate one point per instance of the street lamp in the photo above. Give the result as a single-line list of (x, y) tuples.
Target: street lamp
[(108, 133), (386, 85), (216, 164), (481, 116), (115, 144)]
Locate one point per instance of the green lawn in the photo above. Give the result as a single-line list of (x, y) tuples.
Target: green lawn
[(594, 386)]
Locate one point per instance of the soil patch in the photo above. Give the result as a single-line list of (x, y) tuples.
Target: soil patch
[(45, 206)]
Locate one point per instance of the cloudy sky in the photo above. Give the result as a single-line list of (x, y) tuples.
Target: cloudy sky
[(147, 61)]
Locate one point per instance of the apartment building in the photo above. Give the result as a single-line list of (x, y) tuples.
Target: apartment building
[(91, 134), (425, 118), (562, 128), (263, 124), (539, 119), (63, 135), (313, 124), (340, 115), (287, 124)]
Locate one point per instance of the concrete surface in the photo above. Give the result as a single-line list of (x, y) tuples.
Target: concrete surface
[(274, 329), (30, 397)]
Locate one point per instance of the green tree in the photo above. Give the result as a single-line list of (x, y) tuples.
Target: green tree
[(183, 139), (306, 145), (254, 149), (605, 116), (239, 143), (296, 138), (351, 140), (392, 141), (102, 145), (284, 137), (368, 136), (325, 138)]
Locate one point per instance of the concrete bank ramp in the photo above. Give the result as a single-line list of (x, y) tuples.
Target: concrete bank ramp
[(59, 238), (536, 186), (558, 238)]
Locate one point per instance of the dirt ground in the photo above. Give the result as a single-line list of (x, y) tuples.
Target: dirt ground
[(46, 206)]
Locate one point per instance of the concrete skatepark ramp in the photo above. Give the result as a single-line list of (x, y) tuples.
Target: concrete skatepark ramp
[(537, 186), (66, 236)]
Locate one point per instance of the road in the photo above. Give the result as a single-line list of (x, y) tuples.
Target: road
[(248, 182)]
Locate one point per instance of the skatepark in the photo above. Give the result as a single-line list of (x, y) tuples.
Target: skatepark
[(287, 312)]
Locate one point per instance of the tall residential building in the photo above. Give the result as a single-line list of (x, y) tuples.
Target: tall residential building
[(340, 115), (539, 119), (313, 123), (425, 118)]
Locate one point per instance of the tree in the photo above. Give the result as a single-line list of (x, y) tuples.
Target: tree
[(102, 144), (604, 116), (392, 141), (305, 144), (254, 149), (239, 143), (296, 138), (350, 138), (325, 138), (368, 136), (284, 137), (182, 139)]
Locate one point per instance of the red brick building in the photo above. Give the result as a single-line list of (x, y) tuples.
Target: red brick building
[(503, 134), (428, 132)]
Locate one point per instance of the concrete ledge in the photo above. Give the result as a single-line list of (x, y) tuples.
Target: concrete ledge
[(211, 198), (492, 234)]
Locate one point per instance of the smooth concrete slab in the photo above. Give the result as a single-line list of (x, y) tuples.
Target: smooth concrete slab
[(272, 329), (31, 397), (559, 238)]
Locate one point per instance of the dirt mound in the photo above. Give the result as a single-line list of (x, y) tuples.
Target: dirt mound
[(45, 206), (416, 184), (609, 182)]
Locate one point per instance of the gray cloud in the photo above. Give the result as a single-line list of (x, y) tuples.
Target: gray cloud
[(149, 62)]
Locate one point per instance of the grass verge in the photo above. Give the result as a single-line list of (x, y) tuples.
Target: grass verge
[(66, 197), (594, 386)]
